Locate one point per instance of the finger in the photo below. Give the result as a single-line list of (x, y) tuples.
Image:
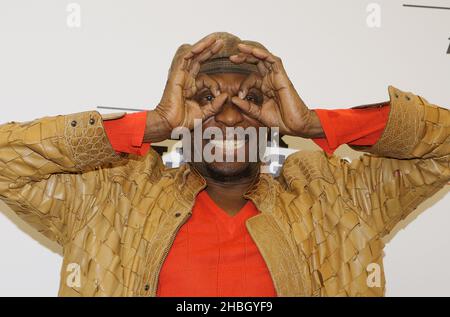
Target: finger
[(200, 46), (178, 61), (249, 108), (269, 60), (204, 52), (252, 81), (215, 106), (262, 68), (112, 116), (190, 87), (258, 52), (246, 58), (209, 51), (195, 64), (204, 81), (238, 58), (217, 46), (194, 67)]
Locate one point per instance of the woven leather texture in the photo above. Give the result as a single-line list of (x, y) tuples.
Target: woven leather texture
[(321, 221)]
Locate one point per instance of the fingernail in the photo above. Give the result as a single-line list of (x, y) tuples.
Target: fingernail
[(241, 95)]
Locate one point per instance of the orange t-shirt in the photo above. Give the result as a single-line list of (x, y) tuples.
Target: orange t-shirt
[(214, 255), (362, 126)]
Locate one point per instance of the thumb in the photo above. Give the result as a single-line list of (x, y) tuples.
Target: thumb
[(215, 106)]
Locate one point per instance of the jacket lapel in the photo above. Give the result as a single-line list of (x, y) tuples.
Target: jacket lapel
[(289, 278)]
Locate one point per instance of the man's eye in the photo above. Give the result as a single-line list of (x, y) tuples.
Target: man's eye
[(209, 98), (253, 98)]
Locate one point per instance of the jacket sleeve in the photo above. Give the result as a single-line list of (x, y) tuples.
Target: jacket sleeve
[(55, 171), (407, 165)]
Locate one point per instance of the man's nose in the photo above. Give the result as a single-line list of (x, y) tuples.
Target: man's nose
[(230, 115)]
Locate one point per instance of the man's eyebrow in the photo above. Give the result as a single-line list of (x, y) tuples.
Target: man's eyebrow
[(255, 90), (203, 90)]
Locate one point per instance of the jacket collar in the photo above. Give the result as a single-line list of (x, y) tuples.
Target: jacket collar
[(269, 237), (189, 183)]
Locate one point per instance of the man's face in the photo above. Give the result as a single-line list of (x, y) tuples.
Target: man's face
[(229, 116)]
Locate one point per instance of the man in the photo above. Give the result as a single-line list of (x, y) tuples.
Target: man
[(130, 227)]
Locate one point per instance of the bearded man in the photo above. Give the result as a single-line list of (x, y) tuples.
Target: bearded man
[(131, 227)]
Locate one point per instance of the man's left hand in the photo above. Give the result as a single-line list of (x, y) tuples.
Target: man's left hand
[(282, 106)]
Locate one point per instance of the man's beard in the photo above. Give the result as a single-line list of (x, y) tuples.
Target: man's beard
[(227, 175)]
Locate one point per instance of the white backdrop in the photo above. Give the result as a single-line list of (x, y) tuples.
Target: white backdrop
[(338, 54)]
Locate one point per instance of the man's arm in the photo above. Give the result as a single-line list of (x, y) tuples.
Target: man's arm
[(51, 169), (361, 125), (408, 163)]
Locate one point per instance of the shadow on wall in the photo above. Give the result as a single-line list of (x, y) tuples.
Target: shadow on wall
[(427, 204), (297, 143)]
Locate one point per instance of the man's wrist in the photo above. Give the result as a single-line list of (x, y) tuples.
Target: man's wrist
[(157, 128), (313, 127)]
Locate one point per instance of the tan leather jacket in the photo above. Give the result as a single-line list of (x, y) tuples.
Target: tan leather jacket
[(319, 229)]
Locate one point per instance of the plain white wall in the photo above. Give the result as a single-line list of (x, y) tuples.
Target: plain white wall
[(120, 55)]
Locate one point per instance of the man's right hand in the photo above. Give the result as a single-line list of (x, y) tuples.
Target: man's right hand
[(177, 107)]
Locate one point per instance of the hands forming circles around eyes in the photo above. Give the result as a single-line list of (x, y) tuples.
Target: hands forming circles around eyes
[(282, 106), (177, 107)]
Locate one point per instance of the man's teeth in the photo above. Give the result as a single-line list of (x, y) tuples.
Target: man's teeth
[(228, 144)]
